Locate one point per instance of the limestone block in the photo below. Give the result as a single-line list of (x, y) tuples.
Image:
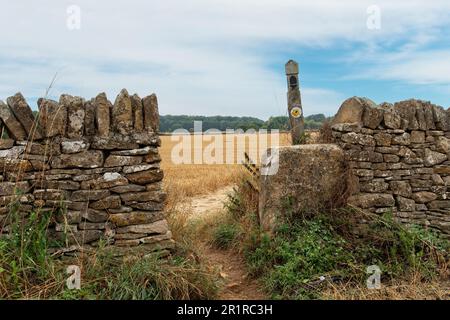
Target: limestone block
[(23, 113), (15, 129), (308, 176), (151, 113)]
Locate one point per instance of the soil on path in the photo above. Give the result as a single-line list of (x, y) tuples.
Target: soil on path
[(236, 283)]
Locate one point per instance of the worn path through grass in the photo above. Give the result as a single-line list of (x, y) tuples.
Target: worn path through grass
[(236, 283)]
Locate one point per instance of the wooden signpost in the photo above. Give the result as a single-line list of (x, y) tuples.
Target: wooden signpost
[(296, 119)]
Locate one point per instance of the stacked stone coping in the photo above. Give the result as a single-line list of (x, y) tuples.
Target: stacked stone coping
[(93, 164), (399, 157)]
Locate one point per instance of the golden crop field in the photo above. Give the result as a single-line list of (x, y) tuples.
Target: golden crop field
[(188, 180)]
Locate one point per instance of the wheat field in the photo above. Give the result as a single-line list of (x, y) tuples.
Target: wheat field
[(183, 181)]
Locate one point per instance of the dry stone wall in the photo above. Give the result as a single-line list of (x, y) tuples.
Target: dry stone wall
[(399, 156), (94, 165)]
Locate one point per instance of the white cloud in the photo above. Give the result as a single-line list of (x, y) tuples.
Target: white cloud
[(424, 68), (199, 56)]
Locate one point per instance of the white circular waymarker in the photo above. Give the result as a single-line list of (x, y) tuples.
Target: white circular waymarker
[(296, 112)]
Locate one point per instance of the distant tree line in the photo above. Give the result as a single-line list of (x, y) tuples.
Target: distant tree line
[(169, 123)]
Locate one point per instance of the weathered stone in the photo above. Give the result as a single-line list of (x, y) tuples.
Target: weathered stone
[(391, 158), (363, 173), (392, 150), (85, 159), (129, 236), (392, 118), (52, 117), (424, 196), (145, 177), (106, 203), (298, 175), (102, 116), (152, 157), (447, 181), (122, 113), (420, 117), (15, 129), (93, 226), (147, 206), (409, 156), (156, 196), (442, 144), (439, 204), (351, 111), (147, 138), (405, 204), (401, 188), (112, 142), (128, 188), (77, 205), (88, 195), (122, 209), (429, 117), (403, 139), (440, 118), (89, 118), (435, 133), (49, 194), (369, 200), (433, 158), (23, 113), (75, 115), (59, 184), (15, 166), (11, 188), (48, 147), (157, 240), (357, 138), (13, 153), (140, 167), (63, 227), (418, 183), (77, 238), (346, 127), (151, 113), (39, 165), (383, 139), (39, 157), (135, 218), (158, 227), (365, 156), (437, 180), (374, 186), (417, 137), (407, 110), (421, 207), (394, 166), (73, 146), (138, 113), (108, 180), (6, 143), (94, 215), (69, 217), (372, 116), (135, 152), (118, 161)]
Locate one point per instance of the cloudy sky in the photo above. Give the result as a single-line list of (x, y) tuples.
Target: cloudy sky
[(209, 57)]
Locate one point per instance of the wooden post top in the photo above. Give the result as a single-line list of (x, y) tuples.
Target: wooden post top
[(291, 68)]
